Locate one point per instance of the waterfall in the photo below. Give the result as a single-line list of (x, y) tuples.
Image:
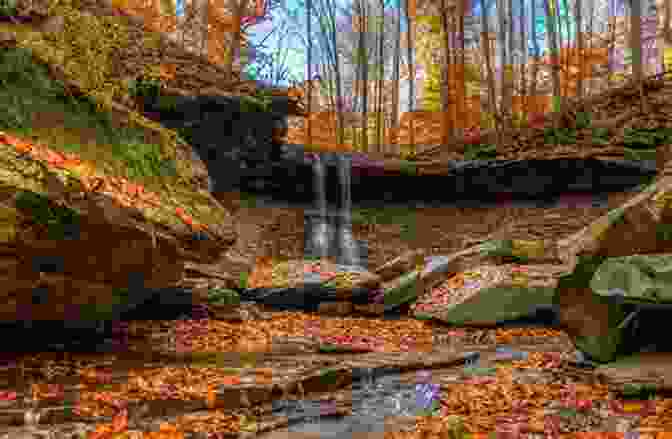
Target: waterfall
[(326, 238), (349, 253), (320, 233)]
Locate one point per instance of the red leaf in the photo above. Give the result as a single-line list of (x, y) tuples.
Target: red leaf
[(120, 421), (7, 396), (54, 158)]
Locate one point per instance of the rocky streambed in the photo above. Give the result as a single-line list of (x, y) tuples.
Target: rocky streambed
[(61, 392)]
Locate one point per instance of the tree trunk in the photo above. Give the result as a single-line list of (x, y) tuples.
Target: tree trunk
[(411, 68), (612, 44), (523, 72), (535, 45), (555, 62), (462, 84), (503, 64), (236, 8), (579, 47), (394, 126), (445, 76), (485, 43), (508, 105), (309, 56), (365, 77), (636, 46), (339, 88), (381, 73), (667, 27)]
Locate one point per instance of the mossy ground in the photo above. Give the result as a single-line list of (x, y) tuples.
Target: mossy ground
[(36, 107)]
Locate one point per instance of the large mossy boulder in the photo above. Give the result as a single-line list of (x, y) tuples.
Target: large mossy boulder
[(76, 245), (617, 273)]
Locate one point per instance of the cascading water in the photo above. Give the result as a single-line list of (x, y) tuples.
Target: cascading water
[(320, 232), (349, 253), (330, 233)]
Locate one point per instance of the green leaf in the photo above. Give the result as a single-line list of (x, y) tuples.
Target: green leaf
[(329, 376), (644, 390), (223, 296), (567, 413), (480, 151), (583, 120), (479, 371), (242, 280)]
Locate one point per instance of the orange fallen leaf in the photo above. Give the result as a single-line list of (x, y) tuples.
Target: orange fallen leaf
[(120, 421), (211, 399), (54, 158), (229, 381)]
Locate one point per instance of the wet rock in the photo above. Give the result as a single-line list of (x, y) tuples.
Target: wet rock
[(306, 285)]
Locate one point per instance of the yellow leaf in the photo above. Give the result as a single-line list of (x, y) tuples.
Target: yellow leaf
[(530, 249), (598, 228), (632, 407), (8, 222)]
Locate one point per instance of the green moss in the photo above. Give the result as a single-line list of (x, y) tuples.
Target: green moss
[(59, 219), (7, 7), (638, 391), (408, 168), (26, 89), (480, 152), (223, 296), (259, 101)]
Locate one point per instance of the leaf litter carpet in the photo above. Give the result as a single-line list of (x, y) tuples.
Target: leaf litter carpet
[(540, 395)]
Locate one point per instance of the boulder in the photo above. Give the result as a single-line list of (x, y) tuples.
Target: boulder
[(639, 226), (488, 295), (615, 288), (76, 250), (417, 274), (309, 285)]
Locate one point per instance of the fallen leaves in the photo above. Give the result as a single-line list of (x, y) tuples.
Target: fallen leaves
[(124, 192), (114, 430), (482, 400)]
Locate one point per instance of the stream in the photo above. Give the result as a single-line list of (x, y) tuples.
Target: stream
[(377, 395)]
